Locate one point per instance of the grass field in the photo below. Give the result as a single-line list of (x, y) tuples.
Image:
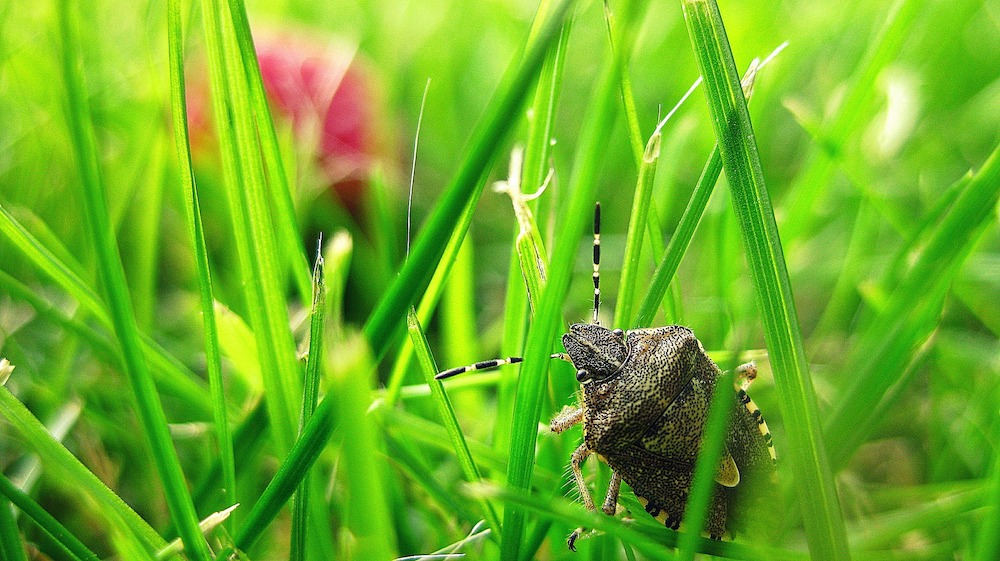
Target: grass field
[(179, 346)]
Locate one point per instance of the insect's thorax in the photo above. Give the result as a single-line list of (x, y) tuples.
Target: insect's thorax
[(621, 409)]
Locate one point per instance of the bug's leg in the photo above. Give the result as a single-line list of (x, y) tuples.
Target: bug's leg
[(576, 460), (482, 365), (745, 373), (611, 499), (566, 418)]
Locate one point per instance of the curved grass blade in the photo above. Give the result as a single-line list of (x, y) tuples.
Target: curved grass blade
[(150, 410), (819, 503), (62, 463), (429, 246), (886, 347)]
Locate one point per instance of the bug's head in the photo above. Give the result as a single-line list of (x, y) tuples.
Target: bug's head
[(597, 352)]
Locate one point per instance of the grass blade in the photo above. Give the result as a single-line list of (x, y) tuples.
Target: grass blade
[(532, 382), (45, 521), (213, 359), (447, 413), (59, 461), (252, 224), (150, 410), (310, 395), (819, 503)]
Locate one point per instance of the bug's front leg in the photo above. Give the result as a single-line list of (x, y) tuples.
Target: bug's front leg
[(566, 418)]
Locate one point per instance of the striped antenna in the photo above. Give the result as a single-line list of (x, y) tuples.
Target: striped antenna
[(491, 364), (597, 261)]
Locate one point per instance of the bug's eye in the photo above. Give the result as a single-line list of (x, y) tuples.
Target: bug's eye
[(582, 375), (618, 333)]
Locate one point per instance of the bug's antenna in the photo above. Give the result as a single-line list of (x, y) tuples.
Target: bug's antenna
[(597, 261)]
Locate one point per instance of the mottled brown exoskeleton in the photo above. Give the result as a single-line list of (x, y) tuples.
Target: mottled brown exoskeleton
[(643, 405)]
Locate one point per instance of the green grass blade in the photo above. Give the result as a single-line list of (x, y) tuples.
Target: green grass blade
[(887, 344), (679, 242), (532, 383), (45, 521), (703, 480), (636, 229), (682, 236), (499, 120), (286, 223), (213, 359), (11, 547), (150, 410), (310, 395), (819, 503), (414, 275), (447, 413), (252, 224), (61, 463)]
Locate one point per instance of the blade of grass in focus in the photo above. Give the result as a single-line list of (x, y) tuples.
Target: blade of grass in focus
[(310, 395), (280, 191), (824, 524), (252, 224), (213, 359), (149, 408), (469, 469)]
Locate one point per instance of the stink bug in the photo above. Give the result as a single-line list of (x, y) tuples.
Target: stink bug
[(644, 400)]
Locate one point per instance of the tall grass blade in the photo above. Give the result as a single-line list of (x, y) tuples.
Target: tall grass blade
[(253, 226), (414, 276), (213, 358), (532, 383), (150, 410), (818, 499), (310, 395), (280, 191)]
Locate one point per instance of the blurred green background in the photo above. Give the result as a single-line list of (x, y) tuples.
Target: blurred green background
[(863, 123)]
